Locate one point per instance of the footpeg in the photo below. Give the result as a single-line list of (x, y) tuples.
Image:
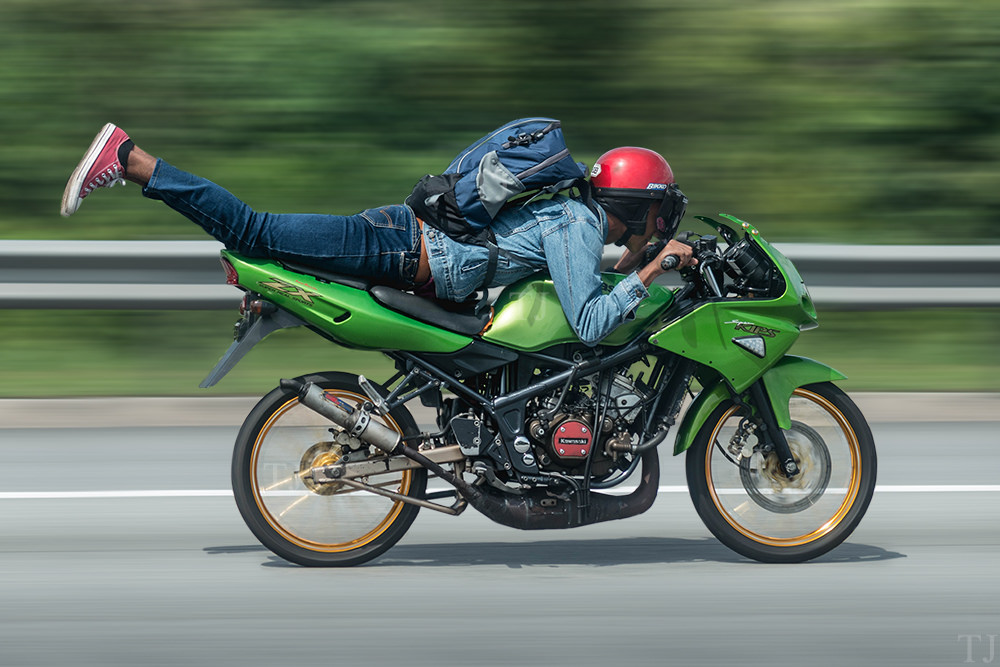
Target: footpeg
[(373, 395)]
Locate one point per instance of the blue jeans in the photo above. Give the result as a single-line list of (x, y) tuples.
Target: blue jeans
[(380, 244)]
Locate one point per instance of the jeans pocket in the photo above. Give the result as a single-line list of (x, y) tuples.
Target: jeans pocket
[(469, 267), (385, 217)]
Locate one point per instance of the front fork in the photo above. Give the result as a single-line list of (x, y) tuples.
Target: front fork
[(773, 437)]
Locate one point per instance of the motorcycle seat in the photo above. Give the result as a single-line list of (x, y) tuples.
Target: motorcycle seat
[(329, 276), (468, 323)]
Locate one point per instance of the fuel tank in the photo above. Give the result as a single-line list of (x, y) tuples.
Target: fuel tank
[(529, 317)]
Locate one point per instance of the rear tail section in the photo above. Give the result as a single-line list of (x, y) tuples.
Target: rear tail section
[(339, 307)]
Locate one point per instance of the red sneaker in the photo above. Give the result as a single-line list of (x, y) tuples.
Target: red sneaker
[(99, 168)]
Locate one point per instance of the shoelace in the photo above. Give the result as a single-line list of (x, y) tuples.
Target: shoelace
[(110, 177)]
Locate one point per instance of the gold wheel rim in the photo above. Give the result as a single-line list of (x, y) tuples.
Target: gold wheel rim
[(832, 522), (367, 538)]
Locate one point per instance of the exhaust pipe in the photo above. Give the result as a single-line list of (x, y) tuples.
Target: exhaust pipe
[(356, 422), (538, 511)]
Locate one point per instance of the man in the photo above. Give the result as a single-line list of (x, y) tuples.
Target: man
[(389, 244)]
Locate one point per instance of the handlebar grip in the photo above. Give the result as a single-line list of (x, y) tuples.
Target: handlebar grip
[(670, 262)]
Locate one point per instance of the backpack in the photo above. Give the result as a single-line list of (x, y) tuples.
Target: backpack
[(526, 157)]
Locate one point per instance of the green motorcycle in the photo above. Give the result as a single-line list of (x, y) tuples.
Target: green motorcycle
[(533, 427)]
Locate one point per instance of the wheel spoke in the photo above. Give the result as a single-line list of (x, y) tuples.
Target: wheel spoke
[(282, 482), (295, 503)]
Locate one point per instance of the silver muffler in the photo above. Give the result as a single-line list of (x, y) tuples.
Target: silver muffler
[(357, 423)]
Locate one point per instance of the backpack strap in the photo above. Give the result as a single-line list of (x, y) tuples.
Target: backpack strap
[(491, 260), (495, 252), (581, 184)]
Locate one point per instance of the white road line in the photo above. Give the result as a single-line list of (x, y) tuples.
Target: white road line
[(213, 493), (82, 495), (941, 488)]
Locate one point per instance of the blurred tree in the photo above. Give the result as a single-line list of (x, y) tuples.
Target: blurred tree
[(873, 121)]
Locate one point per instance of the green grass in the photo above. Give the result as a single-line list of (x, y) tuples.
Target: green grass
[(142, 353), (926, 350), (146, 353)]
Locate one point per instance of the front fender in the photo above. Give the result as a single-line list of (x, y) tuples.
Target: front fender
[(780, 381)]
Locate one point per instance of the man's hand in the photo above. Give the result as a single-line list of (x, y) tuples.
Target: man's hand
[(648, 273), (682, 250)]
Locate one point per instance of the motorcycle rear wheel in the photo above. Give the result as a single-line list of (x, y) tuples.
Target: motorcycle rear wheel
[(752, 508), (317, 524)]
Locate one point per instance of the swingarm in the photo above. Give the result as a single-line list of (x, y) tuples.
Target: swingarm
[(338, 472), (348, 474)]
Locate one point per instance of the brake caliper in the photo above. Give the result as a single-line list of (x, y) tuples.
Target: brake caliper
[(738, 443)]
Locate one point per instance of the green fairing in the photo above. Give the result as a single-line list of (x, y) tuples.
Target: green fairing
[(349, 316), (708, 399), (706, 335), (789, 374), (529, 317), (780, 381)]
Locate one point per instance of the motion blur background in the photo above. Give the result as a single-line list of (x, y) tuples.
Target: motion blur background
[(874, 121)]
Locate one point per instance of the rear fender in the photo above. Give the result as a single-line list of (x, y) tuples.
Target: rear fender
[(781, 380), (261, 327)]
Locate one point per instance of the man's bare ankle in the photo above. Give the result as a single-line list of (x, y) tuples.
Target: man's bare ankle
[(139, 166)]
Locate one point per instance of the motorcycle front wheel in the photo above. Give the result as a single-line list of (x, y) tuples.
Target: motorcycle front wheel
[(753, 508), (318, 524)]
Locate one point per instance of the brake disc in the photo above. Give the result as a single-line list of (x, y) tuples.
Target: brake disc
[(319, 455), (765, 482)]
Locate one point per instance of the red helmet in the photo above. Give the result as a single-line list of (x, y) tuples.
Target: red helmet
[(632, 168), (627, 180)]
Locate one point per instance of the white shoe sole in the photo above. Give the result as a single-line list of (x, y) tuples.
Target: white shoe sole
[(71, 195)]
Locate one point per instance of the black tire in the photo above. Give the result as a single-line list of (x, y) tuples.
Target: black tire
[(305, 523), (792, 521)]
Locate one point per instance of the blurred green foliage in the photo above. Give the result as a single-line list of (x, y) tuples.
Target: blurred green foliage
[(832, 120)]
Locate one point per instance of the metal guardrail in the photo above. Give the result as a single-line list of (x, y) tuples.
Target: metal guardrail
[(186, 275)]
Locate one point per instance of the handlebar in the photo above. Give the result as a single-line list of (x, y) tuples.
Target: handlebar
[(670, 262), (653, 250), (751, 272)]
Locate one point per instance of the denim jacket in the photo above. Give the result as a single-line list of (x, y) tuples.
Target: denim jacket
[(560, 235)]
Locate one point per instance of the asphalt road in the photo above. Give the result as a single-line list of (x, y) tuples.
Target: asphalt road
[(122, 546)]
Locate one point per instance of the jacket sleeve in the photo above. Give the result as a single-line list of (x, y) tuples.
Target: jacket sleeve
[(573, 253)]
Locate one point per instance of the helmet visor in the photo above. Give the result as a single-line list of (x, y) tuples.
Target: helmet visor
[(631, 211), (672, 210)]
